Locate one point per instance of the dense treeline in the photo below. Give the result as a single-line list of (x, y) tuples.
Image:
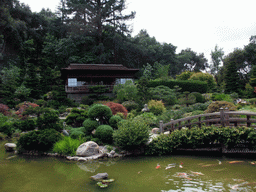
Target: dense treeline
[(35, 46)]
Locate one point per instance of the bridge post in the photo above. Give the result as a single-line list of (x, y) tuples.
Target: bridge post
[(161, 128), (222, 117), (226, 117)]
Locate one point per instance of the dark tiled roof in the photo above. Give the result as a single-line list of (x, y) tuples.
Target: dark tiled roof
[(74, 66)]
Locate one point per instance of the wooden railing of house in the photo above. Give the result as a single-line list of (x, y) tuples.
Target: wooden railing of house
[(222, 118), (84, 88)]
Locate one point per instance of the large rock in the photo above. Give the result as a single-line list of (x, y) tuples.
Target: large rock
[(10, 146), (100, 176), (87, 149)]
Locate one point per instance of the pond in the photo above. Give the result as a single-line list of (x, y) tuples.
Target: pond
[(199, 173)]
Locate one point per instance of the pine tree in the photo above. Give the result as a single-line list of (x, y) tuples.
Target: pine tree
[(231, 77)]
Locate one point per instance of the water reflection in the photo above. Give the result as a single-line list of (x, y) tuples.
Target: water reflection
[(92, 166)]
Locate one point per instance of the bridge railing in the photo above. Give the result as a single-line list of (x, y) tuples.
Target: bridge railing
[(222, 118)]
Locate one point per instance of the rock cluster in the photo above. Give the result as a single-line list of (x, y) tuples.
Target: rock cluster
[(92, 151)]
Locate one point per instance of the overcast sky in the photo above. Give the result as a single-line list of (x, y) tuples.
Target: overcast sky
[(195, 24)]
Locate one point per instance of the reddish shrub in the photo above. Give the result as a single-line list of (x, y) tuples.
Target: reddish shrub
[(116, 107), (4, 109), (23, 106)]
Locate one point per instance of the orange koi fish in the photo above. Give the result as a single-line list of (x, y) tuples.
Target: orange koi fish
[(232, 162)]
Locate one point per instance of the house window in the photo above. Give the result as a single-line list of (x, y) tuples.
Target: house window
[(122, 80), (72, 82)]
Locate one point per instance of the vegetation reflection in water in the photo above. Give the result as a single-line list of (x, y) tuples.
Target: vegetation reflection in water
[(21, 173)]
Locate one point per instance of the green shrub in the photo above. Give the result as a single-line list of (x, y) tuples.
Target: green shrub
[(38, 141), (215, 106), (49, 120), (126, 92), (163, 93), (66, 146), (100, 112), (89, 126), (26, 125), (187, 98), (198, 96), (198, 137), (221, 97), (104, 133), (160, 145), (76, 117), (7, 128), (130, 105), (86, 100), (205, 77), (113, 121), (156, 107), (147, 117), (131, 134), (76, 133)]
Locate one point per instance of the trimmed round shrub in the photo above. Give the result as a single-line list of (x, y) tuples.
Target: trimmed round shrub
[(215, 106), (114, 120), (38, 141), (89, 126), (105, 133), (100, 112), (156, 107), (198, 96), (117, 107), (131, 134)]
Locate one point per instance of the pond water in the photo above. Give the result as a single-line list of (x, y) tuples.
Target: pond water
[(131, 174)]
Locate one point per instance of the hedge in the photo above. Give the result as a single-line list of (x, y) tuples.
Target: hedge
[(189, 85)]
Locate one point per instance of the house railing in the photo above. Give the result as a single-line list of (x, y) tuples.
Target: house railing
[(85, 89), (222, 118)]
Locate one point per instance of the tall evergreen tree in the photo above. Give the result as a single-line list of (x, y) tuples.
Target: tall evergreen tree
[(231, 77)]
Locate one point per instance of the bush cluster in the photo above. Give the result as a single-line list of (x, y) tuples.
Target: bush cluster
[(198, 137), (38, 141), (131, 134), (215, 106), (22, 108)]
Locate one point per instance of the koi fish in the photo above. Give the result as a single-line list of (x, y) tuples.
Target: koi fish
[(208, 165), (158, 166), (197, 173), (169, 167), (232, 162), (181, 165), (183, 175)]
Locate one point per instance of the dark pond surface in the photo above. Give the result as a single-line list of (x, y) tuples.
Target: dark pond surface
[(138, 174)]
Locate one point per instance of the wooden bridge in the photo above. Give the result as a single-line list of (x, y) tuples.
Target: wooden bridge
[(224, 118)]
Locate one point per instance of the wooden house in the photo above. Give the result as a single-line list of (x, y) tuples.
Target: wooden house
[(80, 77)]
